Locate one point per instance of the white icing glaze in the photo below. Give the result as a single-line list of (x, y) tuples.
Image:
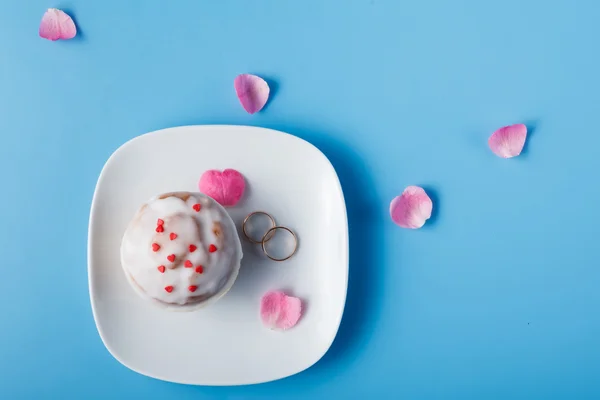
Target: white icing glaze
[(209, 226)]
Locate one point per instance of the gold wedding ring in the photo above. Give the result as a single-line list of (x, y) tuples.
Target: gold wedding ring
[(273, 230), (248, 218)]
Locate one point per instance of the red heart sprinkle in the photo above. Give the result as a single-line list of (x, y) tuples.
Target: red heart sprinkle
[(199, 269), (192, 248), (171, 257), (192, 288), (169, 288), (212, 248), (161, 269), (197, 207), (155, 247), (173, 236), (188, 264), (160, 229), (160, 222)]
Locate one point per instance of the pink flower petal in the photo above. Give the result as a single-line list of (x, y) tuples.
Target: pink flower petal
[(280, 311), (412, 208), (227, 187), (56, 24), (252, 91), (508, 141)]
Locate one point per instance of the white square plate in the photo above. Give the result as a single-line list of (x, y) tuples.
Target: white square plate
[(225, 343)]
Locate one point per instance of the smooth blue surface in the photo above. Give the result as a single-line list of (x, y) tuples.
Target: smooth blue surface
[(497, 297)]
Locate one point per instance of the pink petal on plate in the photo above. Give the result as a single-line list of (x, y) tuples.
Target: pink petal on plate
[(227, 187), (280, 311), (412, 208), (252, 91), (508, 141), (56, 24)]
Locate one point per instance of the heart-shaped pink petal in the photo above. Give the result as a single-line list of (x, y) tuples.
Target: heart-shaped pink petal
[(280, 311), (508, 141), (56, 24), (412, 208), (226, 187), (252, 91)]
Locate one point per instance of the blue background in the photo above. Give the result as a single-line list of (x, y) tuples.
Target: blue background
[(496, 297)]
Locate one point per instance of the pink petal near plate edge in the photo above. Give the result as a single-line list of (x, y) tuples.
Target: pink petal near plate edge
[(412, 208), (56, 24), (252, 91), (508, 141), (226, 188), (280, 311)]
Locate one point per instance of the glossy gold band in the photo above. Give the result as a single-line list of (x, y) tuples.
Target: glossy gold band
[(273, 230), (248, 219)]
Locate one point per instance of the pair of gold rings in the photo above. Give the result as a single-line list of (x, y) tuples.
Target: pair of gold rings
[(269, 235)]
